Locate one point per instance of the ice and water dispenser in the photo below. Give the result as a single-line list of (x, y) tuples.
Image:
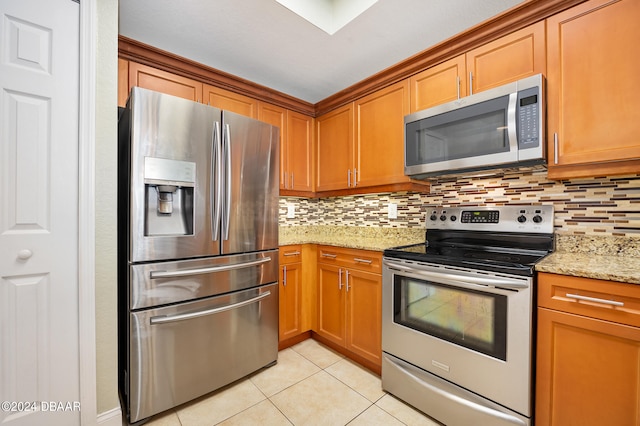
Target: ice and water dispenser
[(169, 196)]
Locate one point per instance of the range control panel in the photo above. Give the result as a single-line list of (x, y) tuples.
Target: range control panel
[(534, 219)]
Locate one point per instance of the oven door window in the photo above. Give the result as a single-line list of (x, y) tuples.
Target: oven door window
[(469, 318)]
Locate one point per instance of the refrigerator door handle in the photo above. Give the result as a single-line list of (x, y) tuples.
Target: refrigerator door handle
[(163, 319), (208, 270), (216, 191), (226, 146)]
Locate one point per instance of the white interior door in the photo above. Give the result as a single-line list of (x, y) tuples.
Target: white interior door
[(39, 83)]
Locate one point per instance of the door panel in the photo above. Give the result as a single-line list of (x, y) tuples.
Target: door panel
[(39, 75), (252, 199)]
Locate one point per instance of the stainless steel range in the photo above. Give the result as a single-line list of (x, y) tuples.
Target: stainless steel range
[(457, 325)]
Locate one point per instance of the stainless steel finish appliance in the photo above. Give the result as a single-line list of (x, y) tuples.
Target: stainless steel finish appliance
[(500, 128), (198, 250), (457, 315)]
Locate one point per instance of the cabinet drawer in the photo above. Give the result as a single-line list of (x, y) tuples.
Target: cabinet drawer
[(607, 300), (290, 254), (363, 260)]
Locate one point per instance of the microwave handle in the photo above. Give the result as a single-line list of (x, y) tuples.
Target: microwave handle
[(512, 132)]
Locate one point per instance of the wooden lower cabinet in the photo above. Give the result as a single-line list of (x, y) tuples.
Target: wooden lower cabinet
[(350, 302), (296, 293), (588, 352)]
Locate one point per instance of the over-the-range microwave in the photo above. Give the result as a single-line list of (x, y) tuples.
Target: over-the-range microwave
[(500, 128)]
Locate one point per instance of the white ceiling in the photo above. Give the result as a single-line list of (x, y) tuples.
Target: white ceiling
[(264, 42)]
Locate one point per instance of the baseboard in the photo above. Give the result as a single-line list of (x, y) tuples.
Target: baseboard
[(112, 417)]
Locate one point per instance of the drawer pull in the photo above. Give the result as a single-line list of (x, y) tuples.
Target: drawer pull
[(357, 259), (291, 253), (329, 255), (594, 299)]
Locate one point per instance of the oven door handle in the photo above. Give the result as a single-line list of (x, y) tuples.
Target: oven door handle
[(163, 319), (501, 282)]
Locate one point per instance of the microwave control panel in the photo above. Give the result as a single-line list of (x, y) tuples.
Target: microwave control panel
[(528, 118)]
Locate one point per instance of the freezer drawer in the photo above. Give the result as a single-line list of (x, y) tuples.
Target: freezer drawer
[(178, 353), (163, 283)]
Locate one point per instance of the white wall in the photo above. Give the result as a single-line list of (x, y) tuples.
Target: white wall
[(106, 205)]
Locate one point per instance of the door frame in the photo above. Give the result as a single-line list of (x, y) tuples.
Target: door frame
[(86, 212)]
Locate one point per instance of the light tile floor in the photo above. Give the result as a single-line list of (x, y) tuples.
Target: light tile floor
[(310, 385)]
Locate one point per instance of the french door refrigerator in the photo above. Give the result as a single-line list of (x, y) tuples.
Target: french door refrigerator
[(198, 250)]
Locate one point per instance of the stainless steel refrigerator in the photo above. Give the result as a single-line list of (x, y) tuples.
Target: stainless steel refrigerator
[(198, 250)]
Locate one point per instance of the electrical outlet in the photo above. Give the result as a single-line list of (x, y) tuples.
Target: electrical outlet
[(392, 212), (291, 211)]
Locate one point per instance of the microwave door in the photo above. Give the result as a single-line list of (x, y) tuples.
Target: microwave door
[(480, 135), (250, 190)]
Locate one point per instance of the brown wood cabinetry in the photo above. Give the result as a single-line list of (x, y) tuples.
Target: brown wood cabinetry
[(296, 148), (350, 302), (164, 82), (439, 84), (593, 115), (379, 136), (297, 293), (588, 352), (334, 149), (290, 292), (512, 57), (123, 82), (230, 101)]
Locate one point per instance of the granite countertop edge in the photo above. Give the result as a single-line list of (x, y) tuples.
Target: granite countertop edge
[(598, 257)]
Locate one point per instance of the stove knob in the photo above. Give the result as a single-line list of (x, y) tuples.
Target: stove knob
[(453, 218), (433, 217), (522, 219), (443, 218), (537, 218)]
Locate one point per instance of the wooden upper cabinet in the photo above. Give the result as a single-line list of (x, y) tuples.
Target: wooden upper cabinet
[(123, 82), (299, 151), (592, 109), (379, 120), (439, 84), (277, 116), (230, 101), (512, 57), (164, 82), (334, 149)]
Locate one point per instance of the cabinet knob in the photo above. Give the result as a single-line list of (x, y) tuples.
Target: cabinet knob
[(24, 254)]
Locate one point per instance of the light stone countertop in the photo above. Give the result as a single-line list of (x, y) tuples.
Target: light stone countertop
[(359, 237), (600, 257)]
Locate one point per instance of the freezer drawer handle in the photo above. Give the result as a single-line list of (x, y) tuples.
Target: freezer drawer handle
[(163, 319), (199, 271)]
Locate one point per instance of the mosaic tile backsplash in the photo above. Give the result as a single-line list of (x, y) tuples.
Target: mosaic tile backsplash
[(594, 206)]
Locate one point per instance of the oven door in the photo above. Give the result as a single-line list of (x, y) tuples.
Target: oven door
[(471, 328)]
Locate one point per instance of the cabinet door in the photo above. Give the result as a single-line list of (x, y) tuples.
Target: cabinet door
[(123, 82), (277, 116), (290, 301), (380, 136), (299, 149), (331, 301), (230, 101), (439, 84), (164, 82), (334, 149), (364, 314), (588, 371), (510, 58), (592, 104)]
